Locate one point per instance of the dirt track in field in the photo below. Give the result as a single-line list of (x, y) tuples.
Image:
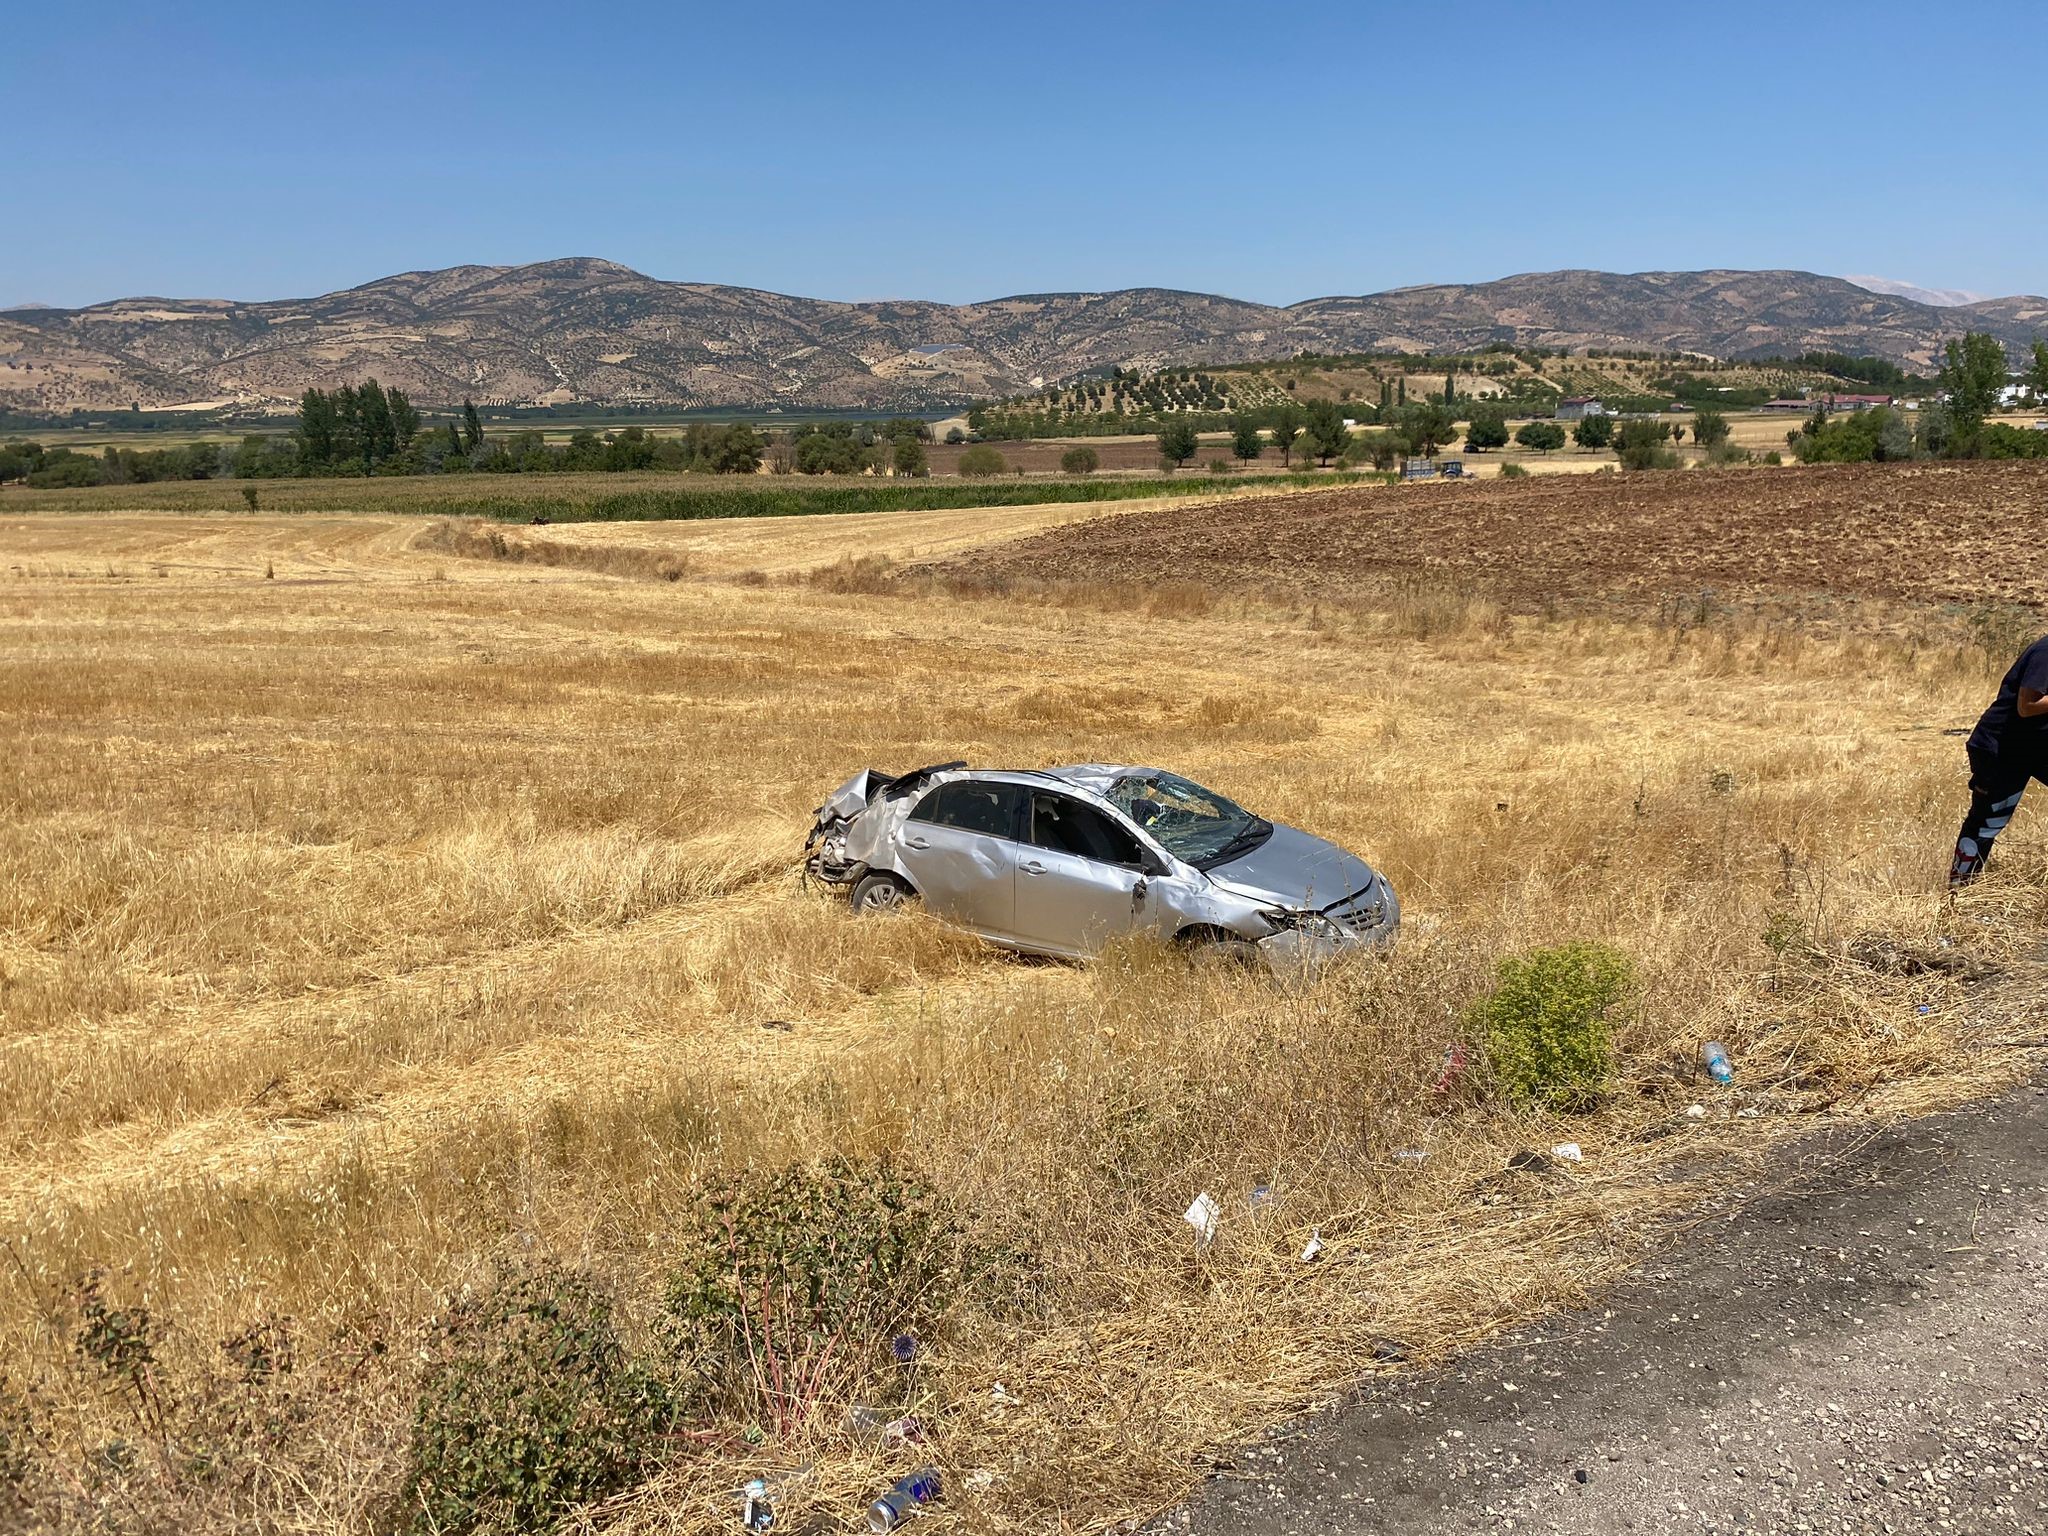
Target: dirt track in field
[(1932, 534)]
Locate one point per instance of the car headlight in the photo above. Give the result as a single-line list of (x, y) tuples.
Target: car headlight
[(1312, 924)]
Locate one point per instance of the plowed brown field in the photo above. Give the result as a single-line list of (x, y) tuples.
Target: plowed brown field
[(1962, 533)]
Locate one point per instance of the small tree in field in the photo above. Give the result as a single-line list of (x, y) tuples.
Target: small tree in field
[(1080, 461), (1286, 428), (1709, 428), (1487, 429), (1594, 432), (1177, 443), (1641, 446), (981, 461), (908, 457), (1245, 441), (1972, 374), (1327, 435), (1543, 436), (1427, 426)]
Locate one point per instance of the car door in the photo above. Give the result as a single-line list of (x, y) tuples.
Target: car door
[(1080, 877), (959, 845)]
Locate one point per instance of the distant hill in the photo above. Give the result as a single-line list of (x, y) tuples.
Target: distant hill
[(584, 330)]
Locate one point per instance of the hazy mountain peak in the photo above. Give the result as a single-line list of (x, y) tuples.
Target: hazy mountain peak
[(1939, 298)]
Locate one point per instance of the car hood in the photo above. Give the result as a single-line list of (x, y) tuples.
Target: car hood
[(1295, 870)]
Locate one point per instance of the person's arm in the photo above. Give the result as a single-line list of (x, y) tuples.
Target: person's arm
[(2032, 702)]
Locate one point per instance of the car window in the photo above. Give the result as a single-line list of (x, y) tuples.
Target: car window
[(1068, 826), (1187, 820), (973, 806)]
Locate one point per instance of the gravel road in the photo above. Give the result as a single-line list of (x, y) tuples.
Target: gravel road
[(1860, 1352)]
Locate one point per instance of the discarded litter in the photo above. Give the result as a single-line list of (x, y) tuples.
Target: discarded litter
[(1313, 1249), (1715, 1054), (1203, 1215), (1262, 1196), (1002, 1394), (1696, 1111), (1924, 1008), (1453, 1069), (1569, 1151), (758, 1498), (980, 1480), (1410, 1155), (872, 1423), (905, 1499)]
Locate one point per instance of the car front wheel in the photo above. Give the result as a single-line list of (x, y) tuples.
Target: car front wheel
[(1218, 946), (881, 893)]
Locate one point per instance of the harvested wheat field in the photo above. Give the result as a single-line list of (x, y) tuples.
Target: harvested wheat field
[(404, 971)]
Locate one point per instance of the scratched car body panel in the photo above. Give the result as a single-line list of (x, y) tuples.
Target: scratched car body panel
[(1063, 861)]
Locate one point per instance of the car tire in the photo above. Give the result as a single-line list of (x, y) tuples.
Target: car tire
[(874, 894), (1218, 946)]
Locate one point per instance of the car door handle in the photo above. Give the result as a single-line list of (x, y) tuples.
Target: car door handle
[(915, 842), (1032, 867)]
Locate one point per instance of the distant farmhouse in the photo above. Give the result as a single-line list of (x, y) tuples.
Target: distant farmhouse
[(1832, 404), (1577, 407)]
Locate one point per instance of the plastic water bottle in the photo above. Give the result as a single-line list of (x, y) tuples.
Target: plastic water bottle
[(1718, 1069), (893, 1507), (758, 1513)]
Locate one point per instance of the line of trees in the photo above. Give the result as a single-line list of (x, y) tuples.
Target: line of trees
[(367, 429), (363, 424)]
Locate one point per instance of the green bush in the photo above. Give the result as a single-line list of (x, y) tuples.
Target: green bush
[(1512, 472), (821, 1262), (981, 461), (1080, 461), (1641, 445), (529, 1404), (1545, 1023)]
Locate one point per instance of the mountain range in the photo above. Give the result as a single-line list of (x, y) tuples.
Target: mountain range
[(586, 330)]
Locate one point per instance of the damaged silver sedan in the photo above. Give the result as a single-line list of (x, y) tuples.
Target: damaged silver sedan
[(1063, 861)]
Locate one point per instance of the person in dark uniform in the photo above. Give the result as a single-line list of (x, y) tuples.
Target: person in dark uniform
[(2009, 747)]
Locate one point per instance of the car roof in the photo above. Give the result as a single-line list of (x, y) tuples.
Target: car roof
[(1096, 778)]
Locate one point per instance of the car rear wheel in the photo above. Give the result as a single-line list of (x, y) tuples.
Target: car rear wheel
[(881, 893)]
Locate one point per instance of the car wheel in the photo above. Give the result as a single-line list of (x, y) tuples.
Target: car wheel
[(1219, 946), (881, 893)]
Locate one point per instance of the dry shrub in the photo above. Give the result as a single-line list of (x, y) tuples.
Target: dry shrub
[(471, 539), (1422, 608), (871, 575), (798, 1289)]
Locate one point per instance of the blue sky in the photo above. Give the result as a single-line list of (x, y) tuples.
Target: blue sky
[(962, 151)]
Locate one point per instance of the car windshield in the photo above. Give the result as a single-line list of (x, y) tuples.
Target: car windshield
[(1188, 821)]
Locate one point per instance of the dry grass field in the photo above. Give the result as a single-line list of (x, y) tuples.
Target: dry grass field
[(375, 919)]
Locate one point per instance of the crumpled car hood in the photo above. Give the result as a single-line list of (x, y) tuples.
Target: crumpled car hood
[(1296, 870)]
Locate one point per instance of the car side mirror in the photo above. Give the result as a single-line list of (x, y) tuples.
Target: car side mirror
[(1152, 864)]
